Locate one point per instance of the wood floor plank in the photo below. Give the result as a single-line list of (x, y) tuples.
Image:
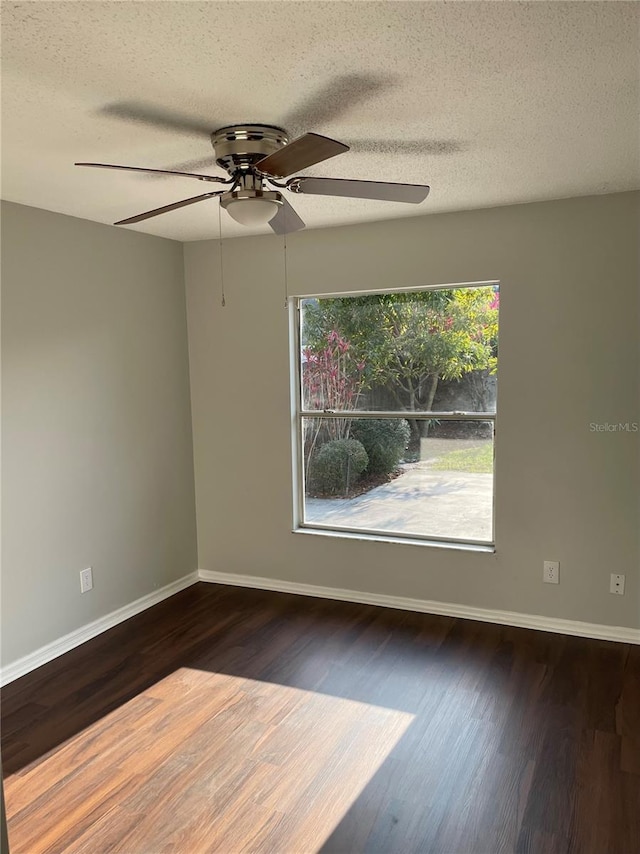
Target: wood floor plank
[(627, 714), (236, 721)]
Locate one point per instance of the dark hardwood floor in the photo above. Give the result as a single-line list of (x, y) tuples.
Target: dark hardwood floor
[(233, 720)]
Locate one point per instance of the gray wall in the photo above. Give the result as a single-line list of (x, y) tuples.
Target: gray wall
[(569, 336), (96, 444), (97, 462)]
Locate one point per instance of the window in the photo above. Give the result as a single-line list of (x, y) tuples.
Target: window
[(395, 413)]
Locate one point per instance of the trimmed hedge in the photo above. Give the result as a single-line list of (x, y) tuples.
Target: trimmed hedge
[(336, 466), (385, 441)]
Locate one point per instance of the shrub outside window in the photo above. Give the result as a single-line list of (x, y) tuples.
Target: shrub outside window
[(395, 413)]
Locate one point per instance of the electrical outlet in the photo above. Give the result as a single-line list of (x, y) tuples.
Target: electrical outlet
[(616, 584), (86, 580), (551, 572)]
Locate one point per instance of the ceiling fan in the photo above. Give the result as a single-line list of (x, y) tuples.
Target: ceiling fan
[(254, 155)]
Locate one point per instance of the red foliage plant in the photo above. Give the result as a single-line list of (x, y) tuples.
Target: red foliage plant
[(332, 379)]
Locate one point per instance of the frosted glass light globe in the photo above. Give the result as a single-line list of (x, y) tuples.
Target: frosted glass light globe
[(252, 212)]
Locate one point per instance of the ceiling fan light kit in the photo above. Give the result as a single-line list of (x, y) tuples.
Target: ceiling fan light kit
[(252, 207), (254, 155)]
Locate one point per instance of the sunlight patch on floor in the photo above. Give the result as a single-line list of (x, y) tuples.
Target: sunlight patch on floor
[(204, 761)]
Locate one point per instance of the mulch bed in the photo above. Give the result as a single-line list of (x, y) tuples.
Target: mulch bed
[(361, 486)]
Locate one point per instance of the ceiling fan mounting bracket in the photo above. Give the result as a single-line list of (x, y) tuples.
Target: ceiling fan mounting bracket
[(239, 148)]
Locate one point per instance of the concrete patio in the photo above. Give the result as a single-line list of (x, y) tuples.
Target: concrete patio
[(422, 501)]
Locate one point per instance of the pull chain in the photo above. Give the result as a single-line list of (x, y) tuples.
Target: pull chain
[(284, 243), (220, 252)]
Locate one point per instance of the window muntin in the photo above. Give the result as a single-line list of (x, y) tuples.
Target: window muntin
[(374, 368)]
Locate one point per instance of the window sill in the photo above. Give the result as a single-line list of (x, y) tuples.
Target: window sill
[(488, 548)]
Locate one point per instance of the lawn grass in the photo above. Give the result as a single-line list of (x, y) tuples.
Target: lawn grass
[(478, 460)]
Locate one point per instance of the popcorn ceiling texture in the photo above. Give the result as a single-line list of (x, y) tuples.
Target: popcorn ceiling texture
[(492, 103)]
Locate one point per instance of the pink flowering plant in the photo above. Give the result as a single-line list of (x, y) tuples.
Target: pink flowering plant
[(332, 379)]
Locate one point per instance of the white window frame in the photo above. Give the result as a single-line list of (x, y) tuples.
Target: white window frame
[(299, 414)]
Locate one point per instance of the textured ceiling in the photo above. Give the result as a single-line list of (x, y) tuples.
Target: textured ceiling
[(491, 103)]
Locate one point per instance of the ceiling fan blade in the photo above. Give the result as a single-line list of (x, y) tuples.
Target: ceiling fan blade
[(382, 190), (286, 220), (130, 111), (167, 208), (299, 154), (213, 178)]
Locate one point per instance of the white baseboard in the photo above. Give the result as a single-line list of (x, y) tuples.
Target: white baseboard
[(621, 634), (84, 633), (47, 653)]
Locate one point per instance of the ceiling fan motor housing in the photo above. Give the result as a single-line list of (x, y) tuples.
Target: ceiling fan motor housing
[(241, 147)]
